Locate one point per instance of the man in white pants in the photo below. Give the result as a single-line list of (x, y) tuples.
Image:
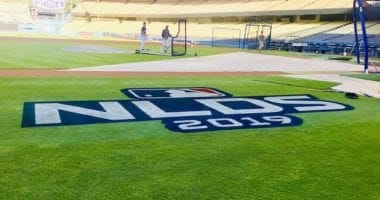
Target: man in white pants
[(143, 36), (261, 41), (165, 39)]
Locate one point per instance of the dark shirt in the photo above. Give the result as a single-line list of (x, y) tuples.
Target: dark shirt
[(165, 33), (143, 30)]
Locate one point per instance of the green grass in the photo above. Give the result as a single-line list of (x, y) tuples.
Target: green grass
[(47, 53), (371, 77), (333, 155), (341, 58), (292, 54), (42, 53), (309, 55)]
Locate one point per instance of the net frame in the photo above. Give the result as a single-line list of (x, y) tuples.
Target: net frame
[(175, 40), (258, 26)]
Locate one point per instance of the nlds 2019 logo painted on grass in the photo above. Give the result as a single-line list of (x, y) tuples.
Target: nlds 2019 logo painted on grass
[(181, 110)]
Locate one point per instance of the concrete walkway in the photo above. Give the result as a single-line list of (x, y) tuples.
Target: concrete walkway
[(233, 62), (348, 84)]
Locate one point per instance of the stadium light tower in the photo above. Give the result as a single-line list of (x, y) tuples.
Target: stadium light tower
[(362, 17)]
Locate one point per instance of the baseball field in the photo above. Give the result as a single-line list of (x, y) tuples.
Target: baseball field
[(331, 155)]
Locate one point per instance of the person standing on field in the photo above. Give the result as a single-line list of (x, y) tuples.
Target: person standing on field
[(261, 41), (143, 36), (165, 39)]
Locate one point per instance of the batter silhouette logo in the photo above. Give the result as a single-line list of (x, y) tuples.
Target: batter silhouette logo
[(183, 110)]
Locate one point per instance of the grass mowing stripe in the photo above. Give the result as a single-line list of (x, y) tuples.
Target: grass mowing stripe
[(331, 156), (48, 54), (371, 77)]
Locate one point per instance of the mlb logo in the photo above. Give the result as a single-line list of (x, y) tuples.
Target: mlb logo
[(185, 110), (166, 93)]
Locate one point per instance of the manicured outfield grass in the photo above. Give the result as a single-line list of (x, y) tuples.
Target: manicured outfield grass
[(310, 55), (333, 155), (47, 53), (43, 53), (371, 77), (290, 54)]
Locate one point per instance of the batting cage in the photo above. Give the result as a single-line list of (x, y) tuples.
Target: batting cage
[(257, 36), (366, 21), (179, 41), (172, 42), (226, 37)]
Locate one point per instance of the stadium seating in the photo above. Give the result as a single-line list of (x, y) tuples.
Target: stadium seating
[(344, 34), (305, 31), (195, 30), (204, 7), (14, 12), (123, 18)]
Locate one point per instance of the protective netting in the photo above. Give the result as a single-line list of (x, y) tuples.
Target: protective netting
[(257, 36), (179, 41), (226, 37)]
